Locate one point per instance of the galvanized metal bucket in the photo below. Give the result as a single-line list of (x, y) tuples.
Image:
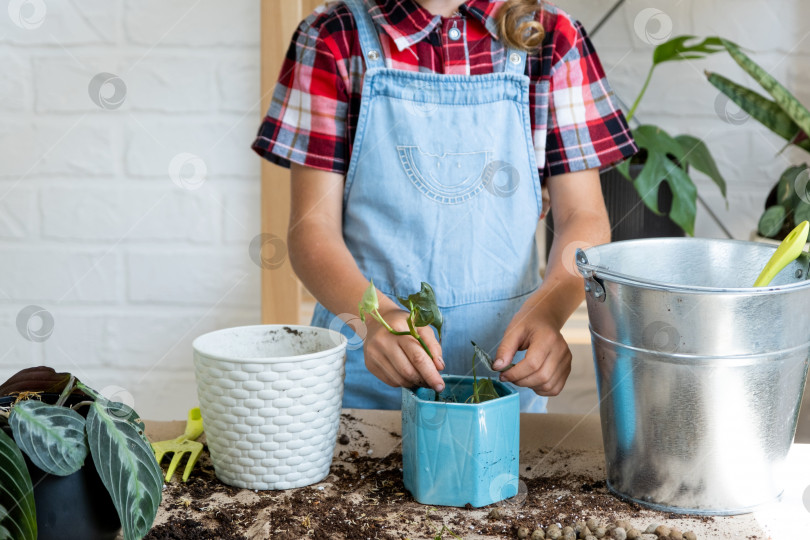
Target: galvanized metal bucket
[(700, 375)]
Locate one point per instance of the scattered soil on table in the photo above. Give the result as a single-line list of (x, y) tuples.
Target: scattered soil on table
[(364, 497)]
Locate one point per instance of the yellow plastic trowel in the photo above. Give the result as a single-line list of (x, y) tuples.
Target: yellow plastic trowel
[(184, 444), (787, 252)]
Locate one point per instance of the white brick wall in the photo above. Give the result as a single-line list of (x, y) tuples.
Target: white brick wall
[(132, 266)]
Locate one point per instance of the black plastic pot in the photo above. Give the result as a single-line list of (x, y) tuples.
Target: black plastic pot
[(73, 507), (630, 218)]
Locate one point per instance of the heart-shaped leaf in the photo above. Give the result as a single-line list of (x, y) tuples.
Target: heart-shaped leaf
[(18, 515), (423, 304), (801, 213), (772, 221), (486, 390), (35, 379), (127, 467), (52, 437), (786, 194), (370, 303)]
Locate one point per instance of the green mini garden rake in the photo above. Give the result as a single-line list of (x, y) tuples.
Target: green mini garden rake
[(182, 445)]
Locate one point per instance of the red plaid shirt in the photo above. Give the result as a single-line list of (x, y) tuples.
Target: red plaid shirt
[(576, 122)]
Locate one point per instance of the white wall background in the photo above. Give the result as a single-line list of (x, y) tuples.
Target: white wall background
[(131, 265), (132, 262)]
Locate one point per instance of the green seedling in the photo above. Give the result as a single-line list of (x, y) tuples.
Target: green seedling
[(425, 312), (422, 307), (484, 390)]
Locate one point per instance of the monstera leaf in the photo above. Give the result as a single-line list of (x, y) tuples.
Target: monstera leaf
[(52, 437), (678, 48), (126, 465), (665, 157), (423, 305), (18, 518)]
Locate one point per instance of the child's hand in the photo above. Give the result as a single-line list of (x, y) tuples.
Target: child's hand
[(548, 359), (400, 360)]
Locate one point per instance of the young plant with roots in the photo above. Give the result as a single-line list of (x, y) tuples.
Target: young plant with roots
[(425, 312)]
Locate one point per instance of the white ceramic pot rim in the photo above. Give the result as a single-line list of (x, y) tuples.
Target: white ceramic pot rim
[(276, 359)]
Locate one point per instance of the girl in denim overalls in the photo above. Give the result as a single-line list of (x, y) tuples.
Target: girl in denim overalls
[(417, 132)]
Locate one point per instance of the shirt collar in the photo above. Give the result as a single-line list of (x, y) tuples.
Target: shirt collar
[(407, 22)]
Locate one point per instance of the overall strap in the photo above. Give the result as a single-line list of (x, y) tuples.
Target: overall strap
[(367, 32)]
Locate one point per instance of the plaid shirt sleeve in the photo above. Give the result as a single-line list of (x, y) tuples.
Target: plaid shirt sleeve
[(586, 127), (306, 120)]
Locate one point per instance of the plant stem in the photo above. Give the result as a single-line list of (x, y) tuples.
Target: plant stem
[(66, 392), (81, 404), (476, 399), (640, 95), (415, 334), (379, 318)]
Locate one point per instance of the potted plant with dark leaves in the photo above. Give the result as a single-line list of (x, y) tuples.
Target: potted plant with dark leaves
[(788, 202), (72, 463), (653, 193), (459, 447)]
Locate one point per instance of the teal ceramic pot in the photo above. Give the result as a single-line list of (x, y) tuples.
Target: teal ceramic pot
[(457, 453)]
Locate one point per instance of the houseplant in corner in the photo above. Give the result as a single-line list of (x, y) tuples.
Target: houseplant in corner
[(659, 174), (667, 158), (788, 202), (49, 423), (459, 447)]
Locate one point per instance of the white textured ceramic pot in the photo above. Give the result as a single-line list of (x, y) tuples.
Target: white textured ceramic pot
[(270, 398)]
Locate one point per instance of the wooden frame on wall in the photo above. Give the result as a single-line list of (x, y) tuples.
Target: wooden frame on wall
[(281, 291)]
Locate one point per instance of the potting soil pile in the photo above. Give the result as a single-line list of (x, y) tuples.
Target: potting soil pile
[(562, 485)]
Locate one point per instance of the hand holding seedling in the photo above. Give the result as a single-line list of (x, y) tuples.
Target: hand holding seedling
[(548, 359), (404, 362)]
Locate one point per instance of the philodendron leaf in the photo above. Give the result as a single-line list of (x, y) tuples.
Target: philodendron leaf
[(678, 49), (486, 390), (772, 221), (697, 155), (127, 467), (425, 307), (35, 379), (370, 303), (786, 194), (52, 437), (17, 511), (801, 213), (658, 168)]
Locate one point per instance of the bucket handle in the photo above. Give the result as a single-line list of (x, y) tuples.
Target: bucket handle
[(594, 285)]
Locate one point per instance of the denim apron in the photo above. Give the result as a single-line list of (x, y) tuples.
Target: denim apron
[(442, 187)]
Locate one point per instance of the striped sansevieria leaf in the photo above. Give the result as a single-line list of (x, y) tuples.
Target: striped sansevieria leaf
[(763, 110), (797, 112)]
